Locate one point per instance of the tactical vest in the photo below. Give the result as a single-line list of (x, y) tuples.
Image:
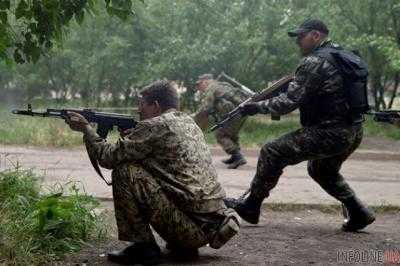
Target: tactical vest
[(345, 105), (354, 72)]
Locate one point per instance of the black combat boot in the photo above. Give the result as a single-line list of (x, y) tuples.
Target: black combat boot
[(237, 160), (137, 253), (247, 208), (358, 215), (182, 254), (228, 161)]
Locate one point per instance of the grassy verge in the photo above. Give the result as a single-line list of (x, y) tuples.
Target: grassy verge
[(36, 131), (261, 129), (383, 130), (36, 228)]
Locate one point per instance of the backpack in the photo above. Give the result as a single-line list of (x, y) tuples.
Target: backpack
[(354, 72)]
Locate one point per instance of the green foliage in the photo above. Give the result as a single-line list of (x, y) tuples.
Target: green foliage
[(28, 28), (260, 129), (15, 184), (36, 228), (108, 59), (384, 130)]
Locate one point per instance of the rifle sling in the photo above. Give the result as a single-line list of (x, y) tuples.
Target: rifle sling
[(96, 167)]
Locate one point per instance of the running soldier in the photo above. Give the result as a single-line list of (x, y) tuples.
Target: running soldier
[(330, 130), (218, 99)]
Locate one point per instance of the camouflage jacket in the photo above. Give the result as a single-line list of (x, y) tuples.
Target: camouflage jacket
[(172, 148), (219, 99), (317, 90)]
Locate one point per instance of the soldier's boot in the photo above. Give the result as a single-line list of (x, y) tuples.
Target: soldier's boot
[(182, 254), (137, 253), (238, 160), (358, 215), (247, 208), (228, 161)]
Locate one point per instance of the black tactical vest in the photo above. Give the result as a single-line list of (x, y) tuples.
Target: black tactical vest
[(346, 104)]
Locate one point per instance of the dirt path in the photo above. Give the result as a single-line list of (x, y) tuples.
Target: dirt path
[(286, 238), (374, 174)]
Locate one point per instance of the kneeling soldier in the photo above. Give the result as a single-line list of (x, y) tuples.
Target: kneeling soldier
[(162, 176)]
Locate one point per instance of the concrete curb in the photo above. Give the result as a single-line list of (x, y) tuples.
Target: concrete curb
[(286, 206), (362, 154)]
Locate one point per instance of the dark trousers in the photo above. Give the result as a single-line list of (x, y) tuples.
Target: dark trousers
[(325, 149)]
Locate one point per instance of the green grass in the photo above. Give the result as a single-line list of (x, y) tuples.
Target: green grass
[(36, 131), (260, 129), (384, 130), (37, 228)]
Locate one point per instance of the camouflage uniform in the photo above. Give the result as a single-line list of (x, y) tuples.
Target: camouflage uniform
[(163, 176), (328, 135), (219, 99)]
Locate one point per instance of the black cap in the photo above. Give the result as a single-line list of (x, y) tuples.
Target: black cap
[(309, 25)]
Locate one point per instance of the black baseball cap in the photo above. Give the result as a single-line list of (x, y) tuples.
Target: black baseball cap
[(309, 25)]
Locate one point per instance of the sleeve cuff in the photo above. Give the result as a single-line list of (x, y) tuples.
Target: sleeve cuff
[(90, 135), (264, 109)]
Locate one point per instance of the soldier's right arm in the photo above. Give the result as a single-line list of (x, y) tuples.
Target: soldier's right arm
[(308, 78)]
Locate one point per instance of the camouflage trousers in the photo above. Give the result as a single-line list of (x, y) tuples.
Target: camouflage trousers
[(140, 202), (325, 149), (228, 137)]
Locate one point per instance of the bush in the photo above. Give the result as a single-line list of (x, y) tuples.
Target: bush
[(36, 228)]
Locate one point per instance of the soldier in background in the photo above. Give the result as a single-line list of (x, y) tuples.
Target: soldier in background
[(396, 122), (218, 99), (162, 176), (330, 131)]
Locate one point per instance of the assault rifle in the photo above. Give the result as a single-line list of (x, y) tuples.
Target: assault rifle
[(105, 123), (386, 116), (267, 93)]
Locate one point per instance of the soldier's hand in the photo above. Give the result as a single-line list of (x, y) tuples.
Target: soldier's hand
[(250, 108), (124, 133), (77, 122)]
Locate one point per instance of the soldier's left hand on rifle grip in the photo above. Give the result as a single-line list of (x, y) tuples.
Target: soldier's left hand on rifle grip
[(124, 133), (251, 108), (77, 122)]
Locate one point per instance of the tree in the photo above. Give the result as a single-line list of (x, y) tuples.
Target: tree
[(28, 28), (373, 28), (106, 58)]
